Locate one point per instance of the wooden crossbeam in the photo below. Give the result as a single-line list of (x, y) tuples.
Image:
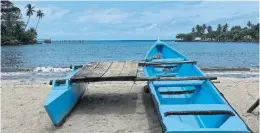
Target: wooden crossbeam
[(167, 62), (253, 107), (198, 112), (177, 92), (164, 66), (175, 78), (58, 81), (133, 78), (100, 79)]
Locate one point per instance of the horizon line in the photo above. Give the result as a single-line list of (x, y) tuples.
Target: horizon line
[(110, 40)]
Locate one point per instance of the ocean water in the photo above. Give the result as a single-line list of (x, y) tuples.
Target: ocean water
[(49, 61), (64, 54)]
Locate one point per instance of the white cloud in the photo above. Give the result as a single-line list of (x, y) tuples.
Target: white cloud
[(50, 12), (54, 12), (112, 15), (102, 21)]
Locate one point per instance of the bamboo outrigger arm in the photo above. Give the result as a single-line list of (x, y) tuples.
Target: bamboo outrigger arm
[(175, 78), (167, 62), (127, 78), (253, 107)]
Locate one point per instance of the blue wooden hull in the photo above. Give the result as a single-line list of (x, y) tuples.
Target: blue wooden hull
[(62, 98), (203, 96)]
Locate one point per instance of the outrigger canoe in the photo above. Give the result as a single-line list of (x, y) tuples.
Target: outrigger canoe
[(188, 106), (63, 97)]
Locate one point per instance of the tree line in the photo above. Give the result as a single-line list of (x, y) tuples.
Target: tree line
[(13, 28), (250, 33)]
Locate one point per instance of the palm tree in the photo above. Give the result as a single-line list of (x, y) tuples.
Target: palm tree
[(249, 24), (193, 29), (204, 28), (40, 15), (219, 28), (29, 12), (209, 29), (198, 28), (225, 28)]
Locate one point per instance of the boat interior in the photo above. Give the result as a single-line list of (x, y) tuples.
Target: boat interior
[(191, 105)]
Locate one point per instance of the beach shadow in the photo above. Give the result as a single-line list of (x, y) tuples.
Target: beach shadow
[(151, 114), (107, 104)]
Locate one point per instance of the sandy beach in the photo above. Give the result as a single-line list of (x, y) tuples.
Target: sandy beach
[(115, 107)]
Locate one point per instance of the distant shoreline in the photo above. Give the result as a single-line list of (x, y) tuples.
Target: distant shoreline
[(84, 41), (215, 41), (17, 43)]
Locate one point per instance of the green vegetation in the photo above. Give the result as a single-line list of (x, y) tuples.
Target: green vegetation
[(13, 29), (222, 33)]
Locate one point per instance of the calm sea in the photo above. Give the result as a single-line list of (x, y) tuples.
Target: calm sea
[(63, 54), (49, 61)]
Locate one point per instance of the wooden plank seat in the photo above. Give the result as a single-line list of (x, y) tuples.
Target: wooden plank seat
[(178, 83), (185, 117), (177, 92), (166, 62)]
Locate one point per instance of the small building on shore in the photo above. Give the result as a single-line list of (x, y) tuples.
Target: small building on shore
[(197, 39)]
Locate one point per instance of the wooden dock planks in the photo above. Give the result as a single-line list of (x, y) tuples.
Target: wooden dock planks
[(122, 71), (115, 69), (107, 71), (130, 69)]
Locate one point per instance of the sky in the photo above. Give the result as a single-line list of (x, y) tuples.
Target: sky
[(88, 20)]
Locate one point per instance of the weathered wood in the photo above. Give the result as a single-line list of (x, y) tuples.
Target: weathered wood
[(134, 78), (121, 71), (100, 79), (253, 107), (58, 81), (107, 71), (164, 66), (100, 69), (215, 81), (200, 112), (86, 70), (177, 92), (175, 78), (115, 69), (130, 69), (167, 62)]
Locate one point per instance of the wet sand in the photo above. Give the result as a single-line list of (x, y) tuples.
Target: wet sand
[(108, 107)]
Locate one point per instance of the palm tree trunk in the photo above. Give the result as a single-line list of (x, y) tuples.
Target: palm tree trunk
[(37, 24), (27, 23)]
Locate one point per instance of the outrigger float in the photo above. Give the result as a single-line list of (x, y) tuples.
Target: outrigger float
[(186, 100)]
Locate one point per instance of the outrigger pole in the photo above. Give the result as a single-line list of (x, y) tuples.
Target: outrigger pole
[(253, 107)]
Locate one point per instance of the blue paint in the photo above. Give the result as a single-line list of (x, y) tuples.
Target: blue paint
[(62, 98), (205, 98)]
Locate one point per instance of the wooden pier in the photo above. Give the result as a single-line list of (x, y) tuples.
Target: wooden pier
[(124, 71)]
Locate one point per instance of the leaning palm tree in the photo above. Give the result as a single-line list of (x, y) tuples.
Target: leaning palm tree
[(40, 15), (29, 12)]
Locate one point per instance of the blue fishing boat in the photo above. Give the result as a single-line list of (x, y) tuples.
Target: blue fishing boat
[(63, 97), (188, 106)]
